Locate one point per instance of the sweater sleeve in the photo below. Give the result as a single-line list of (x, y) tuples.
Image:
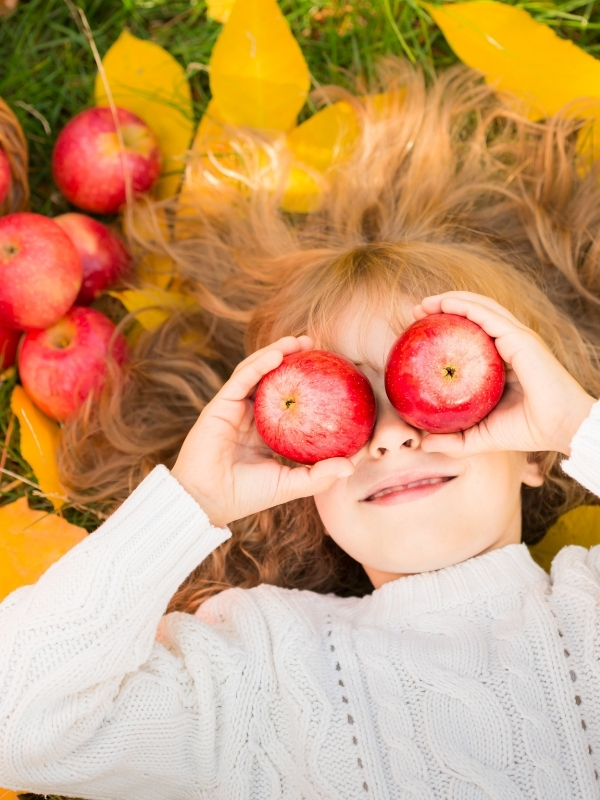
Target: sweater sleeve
[(584, 463), (80, 659)]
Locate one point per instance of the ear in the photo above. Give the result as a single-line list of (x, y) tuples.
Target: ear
[(532, 472)]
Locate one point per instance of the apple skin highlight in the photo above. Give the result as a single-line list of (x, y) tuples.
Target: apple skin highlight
[(60, 366), (89, 168), (315, 405), (40, 271), (444, 374)]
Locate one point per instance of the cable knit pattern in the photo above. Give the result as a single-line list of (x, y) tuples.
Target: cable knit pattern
[(479, 681)]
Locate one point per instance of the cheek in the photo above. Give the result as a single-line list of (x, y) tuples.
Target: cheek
[(331, 507)]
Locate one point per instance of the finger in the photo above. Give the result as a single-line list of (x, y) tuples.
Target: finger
[(309, 481), (287, 345), (493, 323), (435, 304), (248, 373), (457, 445)]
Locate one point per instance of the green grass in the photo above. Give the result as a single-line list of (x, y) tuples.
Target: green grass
[(47, 72)]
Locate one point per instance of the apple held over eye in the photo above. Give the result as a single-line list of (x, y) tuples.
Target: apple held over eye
[(315, 405), (444, 374), (61, 365), (5, 176), (103, 255), (89, 167), (40, 271)]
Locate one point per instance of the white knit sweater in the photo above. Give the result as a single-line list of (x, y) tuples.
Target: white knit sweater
[(481, 680)]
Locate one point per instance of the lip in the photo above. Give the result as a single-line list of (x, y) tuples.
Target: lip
[(403, 479)]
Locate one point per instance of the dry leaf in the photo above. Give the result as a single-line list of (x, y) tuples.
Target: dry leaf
[(159, 304), (219, 10), (315, 146), (258, 75), (30, 542), (518, 54), (39, 439), (579, 526), (147, 80)]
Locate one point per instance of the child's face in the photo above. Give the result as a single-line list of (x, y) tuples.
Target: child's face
[(472, 505)]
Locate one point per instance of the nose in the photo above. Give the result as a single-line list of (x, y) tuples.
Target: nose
[(391, 432)]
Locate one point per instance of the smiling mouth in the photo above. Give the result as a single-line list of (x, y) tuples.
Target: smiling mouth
[(407, 486)]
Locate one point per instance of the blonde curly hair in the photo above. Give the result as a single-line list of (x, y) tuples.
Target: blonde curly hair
[(447, 188)]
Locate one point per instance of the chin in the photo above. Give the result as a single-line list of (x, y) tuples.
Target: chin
[(406, 553)]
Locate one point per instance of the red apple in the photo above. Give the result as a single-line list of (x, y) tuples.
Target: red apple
[(60, 366), (5, 176), (444, 374), (89, 167), (40, 271), (9, 342), (315, 405), (103, 256)]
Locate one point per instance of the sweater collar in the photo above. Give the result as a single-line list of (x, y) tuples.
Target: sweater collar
[(508, 570)]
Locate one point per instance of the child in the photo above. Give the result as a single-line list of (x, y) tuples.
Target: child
[(466, 671)]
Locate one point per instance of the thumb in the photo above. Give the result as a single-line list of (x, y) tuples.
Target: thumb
[(450, 444), (308, 481)]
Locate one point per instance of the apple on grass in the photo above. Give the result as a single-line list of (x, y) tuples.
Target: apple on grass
[(5, 176), (61, 365), (89, 167), (103, 255), (444, 374), (40, 271), (9, 343), (315, 405)]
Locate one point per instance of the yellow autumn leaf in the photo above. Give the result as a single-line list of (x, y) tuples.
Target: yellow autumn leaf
[(30, 542), (518, 54), (147, 80), (39, 439), (579, 526), (258, 75), (143, 225), (315, 146), (158, 304), (224, 163), (219, 10)]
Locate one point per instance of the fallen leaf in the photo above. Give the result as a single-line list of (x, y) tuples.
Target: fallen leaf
[(147, 80), (518, 54), (39, 439), (224, 163), (30, 542), (579, 526), (219, 10), (258, 75), (159, 304), (325, 139)]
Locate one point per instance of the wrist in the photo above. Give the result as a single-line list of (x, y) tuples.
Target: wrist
[(211, 511), (579, 413)]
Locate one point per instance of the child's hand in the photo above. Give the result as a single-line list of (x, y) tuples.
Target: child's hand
[(542, 406), (225, 465)]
